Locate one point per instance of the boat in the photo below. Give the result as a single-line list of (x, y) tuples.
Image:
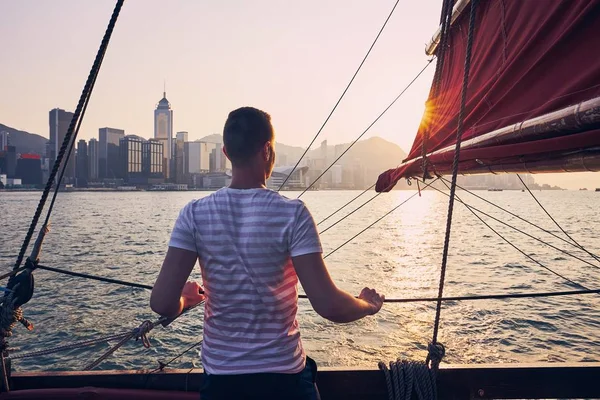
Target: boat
[(597, 190), (126, 188), (501, 116), (494, 190)]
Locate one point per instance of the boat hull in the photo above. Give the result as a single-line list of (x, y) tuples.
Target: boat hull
[(508, 381)]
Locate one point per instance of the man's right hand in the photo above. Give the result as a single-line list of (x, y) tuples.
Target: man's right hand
[(192, 294), (374, 299)]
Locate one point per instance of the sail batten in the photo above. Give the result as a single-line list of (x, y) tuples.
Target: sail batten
[(533, 98)]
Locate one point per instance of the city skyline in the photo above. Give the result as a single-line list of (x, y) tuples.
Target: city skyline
[(294, 73)]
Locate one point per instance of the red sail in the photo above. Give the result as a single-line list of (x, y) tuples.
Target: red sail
[(533, 63)]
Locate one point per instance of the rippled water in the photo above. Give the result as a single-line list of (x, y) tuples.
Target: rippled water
[(124, 236)]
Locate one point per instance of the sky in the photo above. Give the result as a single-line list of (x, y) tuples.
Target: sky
[(292, 59)]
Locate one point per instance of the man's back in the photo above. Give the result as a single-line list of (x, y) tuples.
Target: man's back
[(245, 238), (254, 246)]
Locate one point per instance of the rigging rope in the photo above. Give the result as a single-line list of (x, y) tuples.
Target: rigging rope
[(512, 214), (139, 333), (445, 23), (349, 214), (371, 225), (71, 146), (69, 134), (342, 96), (70, 346), (524, 233), (387, 300), (556, 223), (342, 207), (498, 296), (470, 208), (459, 133), (97, 278), (10, 314), (366, 130), (190, 348)]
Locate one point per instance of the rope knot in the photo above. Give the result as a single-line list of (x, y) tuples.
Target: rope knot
[(437, 351), (141, 333)]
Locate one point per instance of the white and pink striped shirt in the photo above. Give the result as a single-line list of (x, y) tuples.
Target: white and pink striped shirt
[(245, 239)]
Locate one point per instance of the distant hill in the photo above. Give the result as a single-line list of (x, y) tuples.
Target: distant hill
[(375, 154), (214, 138), (25, 142)]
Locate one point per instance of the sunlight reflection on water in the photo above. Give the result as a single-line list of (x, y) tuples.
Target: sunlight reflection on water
[(124, 236)]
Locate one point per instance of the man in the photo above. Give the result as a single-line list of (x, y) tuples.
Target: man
[(252, 245)]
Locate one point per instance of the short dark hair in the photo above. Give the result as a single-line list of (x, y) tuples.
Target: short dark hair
[(246, 130)]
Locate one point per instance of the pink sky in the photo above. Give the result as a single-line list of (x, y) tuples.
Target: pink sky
[(292, 59)]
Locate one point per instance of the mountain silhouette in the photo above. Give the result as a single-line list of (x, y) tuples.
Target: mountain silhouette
[(25, 142)]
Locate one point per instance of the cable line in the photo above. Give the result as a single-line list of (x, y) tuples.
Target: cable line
[(349, 214), (556, 223), (365, 131), (376, 221), (511, 213), (342, 96), (525, 233), (83, 99), (387, 300), (348, 203), (470, 208), (459, 133)]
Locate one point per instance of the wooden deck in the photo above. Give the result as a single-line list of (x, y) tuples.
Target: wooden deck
[(508, 381)]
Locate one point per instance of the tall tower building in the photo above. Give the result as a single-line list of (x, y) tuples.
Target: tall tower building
[(163, 131), (59, 124), (130, 158), (108, 153), (82, 164), (93, 160), (3, 140), (179, 155)]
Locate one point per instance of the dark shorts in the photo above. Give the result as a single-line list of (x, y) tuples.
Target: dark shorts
[(300, 386)]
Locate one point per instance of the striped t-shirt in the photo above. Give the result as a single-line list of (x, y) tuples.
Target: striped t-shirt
[(244, 239)]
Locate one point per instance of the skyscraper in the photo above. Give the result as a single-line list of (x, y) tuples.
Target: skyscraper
[(163, 131), (220, 163), (197, 156), (93, 160), (179, 155), (130, 159), (82, 164), (3, 140), (59, 121), (10, 161), (29, 169), (108, 152), (153, 160)]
